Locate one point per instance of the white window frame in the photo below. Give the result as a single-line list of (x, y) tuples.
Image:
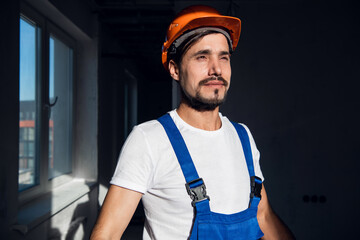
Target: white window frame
[(42, 81)]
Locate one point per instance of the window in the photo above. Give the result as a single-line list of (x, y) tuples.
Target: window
[(28, 159), (60, 77), (46, 106)]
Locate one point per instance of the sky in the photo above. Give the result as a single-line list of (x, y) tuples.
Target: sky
[(28, 61)]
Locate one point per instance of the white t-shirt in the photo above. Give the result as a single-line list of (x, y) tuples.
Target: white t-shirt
[(148, 164)]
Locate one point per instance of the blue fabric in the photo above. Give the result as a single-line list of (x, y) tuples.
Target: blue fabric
[(181, 151), (254, 202), (242, 225), (245, 142), (209, 225)]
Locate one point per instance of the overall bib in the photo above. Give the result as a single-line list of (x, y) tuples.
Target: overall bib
[(209, 225)]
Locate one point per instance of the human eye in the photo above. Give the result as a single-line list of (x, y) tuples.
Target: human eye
[(201, 57), (225, 57)]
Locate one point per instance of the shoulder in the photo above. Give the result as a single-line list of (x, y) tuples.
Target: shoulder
[(149, 126), (153, 127), (150, 129), (254, 149), (150, 133), (230, 123)]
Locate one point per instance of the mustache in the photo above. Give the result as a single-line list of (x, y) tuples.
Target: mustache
[(212, 78)]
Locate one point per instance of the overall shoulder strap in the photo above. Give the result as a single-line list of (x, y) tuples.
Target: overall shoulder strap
[(179, 146), (195, 186), (245, 142), (255, 182)]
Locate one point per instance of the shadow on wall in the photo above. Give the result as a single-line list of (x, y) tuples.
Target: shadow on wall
[(78, 222), (82, 218)]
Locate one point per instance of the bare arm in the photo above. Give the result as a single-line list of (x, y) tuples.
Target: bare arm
[(270, 224), (116, 213)]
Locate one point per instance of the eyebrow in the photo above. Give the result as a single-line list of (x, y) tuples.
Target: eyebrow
[(201, 52), (222, 53)]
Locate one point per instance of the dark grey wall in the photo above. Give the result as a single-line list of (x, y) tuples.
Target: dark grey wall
[(294, 84), (9, 95), (81, 14)]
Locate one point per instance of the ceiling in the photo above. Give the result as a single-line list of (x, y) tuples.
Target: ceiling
[(136, 28), (140, 25)]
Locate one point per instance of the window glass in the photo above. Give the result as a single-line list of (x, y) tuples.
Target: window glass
[(27, 122), (60, 94)]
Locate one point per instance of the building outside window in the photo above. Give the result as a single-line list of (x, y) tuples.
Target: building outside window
[(28, 159), (46, 105)]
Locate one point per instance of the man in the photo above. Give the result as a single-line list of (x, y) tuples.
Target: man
[(164, 161)]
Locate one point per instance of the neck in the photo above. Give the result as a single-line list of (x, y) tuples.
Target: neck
[(206, 120)]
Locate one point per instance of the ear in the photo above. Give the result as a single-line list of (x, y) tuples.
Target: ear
[(173, 70)]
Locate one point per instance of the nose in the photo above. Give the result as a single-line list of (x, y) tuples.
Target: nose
[(214, 67)]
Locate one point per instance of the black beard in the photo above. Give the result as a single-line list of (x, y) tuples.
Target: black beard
[(199, 103)]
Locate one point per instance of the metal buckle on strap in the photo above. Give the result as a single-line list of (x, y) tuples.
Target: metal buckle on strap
[(197, 193), (256, 185)]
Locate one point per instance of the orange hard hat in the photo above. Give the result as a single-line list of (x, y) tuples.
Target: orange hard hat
[(200, 16)]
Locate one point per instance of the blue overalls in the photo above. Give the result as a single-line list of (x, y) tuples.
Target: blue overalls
[(209, 225)]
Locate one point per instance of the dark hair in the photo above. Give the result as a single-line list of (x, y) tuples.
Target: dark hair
[(176, 54)]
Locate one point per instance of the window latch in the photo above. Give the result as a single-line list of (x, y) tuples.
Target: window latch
[(50, 105)]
